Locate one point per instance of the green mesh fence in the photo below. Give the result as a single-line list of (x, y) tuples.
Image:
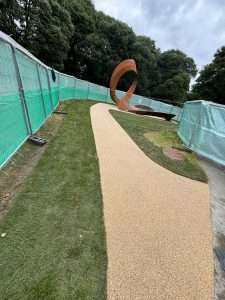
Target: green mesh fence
[(54, 87), (66, 87), (81, 89), (30, 91), (109, 99), (13, 129), (46, 94), (202, 129), (97, 92)]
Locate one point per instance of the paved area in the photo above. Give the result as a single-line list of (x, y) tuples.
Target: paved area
[(158, 229), (216, 175)]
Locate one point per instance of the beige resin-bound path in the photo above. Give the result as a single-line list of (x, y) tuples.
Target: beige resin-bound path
[(158, 232)]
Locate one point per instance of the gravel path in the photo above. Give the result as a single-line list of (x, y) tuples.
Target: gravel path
[(158, 232)]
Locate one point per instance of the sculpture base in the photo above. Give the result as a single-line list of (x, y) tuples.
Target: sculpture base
[(148, 111)]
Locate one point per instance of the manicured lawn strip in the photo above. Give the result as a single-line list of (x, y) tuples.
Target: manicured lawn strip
[(137, 127), (55, 243)]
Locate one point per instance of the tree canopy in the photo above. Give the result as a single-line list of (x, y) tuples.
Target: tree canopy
[(175, 72), (210, 84), (71, 36)]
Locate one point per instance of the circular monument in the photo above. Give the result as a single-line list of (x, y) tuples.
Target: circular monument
[(128, 65)]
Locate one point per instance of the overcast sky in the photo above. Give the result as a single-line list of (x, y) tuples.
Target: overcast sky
[(196, 27)]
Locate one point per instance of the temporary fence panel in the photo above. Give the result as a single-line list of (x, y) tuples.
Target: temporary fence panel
[(46, 93), (109, 99), (32, 90), (177, 111), (202, 129), (13, 128), (81, 89), (164, 107), (135, 100), (66, 87), (62, 87), (120, 94), (54, 86), (92, 91), (97, 92), (145, 101)]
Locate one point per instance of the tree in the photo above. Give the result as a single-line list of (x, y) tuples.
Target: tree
[(82, 14), (98, 44), (44, 27), (9, 16), (146, 55), (175, 89), (51, 42), (47, 29), (28, 21), (176, 70), (114, 41), (173, 62), (211, 82)]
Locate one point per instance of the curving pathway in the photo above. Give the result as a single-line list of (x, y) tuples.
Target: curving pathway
[(158, 232)]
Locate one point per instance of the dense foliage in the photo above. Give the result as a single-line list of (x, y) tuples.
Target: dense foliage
[(210, 85), (73, 37)]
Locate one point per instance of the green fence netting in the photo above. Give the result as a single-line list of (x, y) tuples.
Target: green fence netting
[(54, 86), (97, 92), (30, 91), (66, 87), (81, 89), (46, 94), (13, 128), (202, 129)]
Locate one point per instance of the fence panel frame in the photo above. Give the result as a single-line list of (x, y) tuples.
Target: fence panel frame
[(21, 93)]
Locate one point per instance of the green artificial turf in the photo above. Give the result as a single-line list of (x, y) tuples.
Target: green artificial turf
[(151, 135), (54, 248)]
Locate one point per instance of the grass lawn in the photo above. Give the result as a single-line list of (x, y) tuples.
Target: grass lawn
[(55, 243), (151, 135)]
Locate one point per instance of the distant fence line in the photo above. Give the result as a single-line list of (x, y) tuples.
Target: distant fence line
[(30, 91)]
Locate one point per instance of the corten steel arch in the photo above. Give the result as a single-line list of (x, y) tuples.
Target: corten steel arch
[(125, 66)]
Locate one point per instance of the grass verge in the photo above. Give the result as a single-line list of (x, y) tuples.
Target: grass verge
[(54, 248), (151, 135), (23, 162)]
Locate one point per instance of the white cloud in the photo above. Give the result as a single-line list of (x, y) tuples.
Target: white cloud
[(196, 27)]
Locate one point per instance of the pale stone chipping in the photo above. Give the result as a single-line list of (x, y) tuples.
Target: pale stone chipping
[(158, 230)]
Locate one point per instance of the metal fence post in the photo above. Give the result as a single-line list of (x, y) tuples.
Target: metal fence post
[(49, 88), (88, 93), (21, 94), (150, 102), (75, 86), (40, 85), (58, 85), (181, 113), (194, 130), (107, 95), (160, 106)]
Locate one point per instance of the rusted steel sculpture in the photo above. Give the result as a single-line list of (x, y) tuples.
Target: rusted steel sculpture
[(125, 66), (129, 65)]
